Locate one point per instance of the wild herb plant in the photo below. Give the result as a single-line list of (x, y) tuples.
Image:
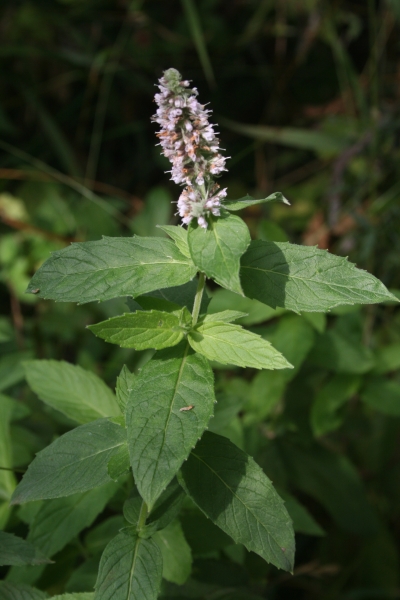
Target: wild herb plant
[(155, 428)]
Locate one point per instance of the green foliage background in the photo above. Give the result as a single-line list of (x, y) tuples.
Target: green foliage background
[(306, 95)]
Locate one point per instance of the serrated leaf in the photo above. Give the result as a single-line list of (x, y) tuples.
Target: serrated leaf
[(176, 553), (232, 345), (75, 392), (144, 329), (247, 201), (59, 521), (382, 395), (180, 237), (109, 268), (226, 316), (160, 434), (304, 278), (216, 251), (16, 551), (243, 502), (130, 568), (124, 384), (167, 506), (19, 591), (76, 462)]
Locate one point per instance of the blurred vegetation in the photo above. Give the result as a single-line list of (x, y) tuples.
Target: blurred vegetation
[(306, 95)]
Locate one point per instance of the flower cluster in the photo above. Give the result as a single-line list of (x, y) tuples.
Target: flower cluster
[(188, 140)]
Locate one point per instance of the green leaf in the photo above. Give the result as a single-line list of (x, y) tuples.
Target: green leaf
[(243, 502), (110, 268), (304, 278), (250, 201), (124, 385), (75, 392), (119, 463), (20, 591), (176, 553), (216, 251), (132, 507), (232, 345), (130, 568), (76, 462), (226, 316), (330, 397), (180, 237), (303, 522), (16, 551), (142, 329), (382, 395), (160, 434), (61, 520), (341, 352)]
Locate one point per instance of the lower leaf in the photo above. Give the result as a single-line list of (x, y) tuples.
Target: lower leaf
[(234, 492), (130, 569)]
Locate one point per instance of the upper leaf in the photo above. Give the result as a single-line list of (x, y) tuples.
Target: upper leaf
[(232, 345), (144, 329), (76, 462), (303, 278), (250, 201), (243, 502), (16, 551), (77, 393), (130, 568), (160, 434), (180, 237), (216, 251), (109, 268), (225, 316)]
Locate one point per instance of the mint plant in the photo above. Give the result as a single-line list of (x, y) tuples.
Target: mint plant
[(151, 437)]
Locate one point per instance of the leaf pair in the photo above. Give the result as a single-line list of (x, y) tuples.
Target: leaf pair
[(214, 337)]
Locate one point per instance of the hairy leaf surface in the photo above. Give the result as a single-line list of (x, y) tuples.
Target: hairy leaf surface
[(231, 344), (160, 435), (77, 393), (304, 278), (111, 267), (233, 491), (216, 251), (130, 568), (76, 462), (144, 329)]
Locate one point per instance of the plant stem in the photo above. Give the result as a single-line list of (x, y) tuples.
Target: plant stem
[(142, 516), (197, 300)]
